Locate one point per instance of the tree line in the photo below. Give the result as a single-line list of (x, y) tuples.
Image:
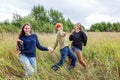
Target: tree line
[(105, 27), (43, 20)]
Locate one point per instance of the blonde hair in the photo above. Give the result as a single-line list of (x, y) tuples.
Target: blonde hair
[(80, 26)]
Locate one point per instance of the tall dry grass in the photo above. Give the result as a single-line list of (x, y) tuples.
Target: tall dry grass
[(102, 55)]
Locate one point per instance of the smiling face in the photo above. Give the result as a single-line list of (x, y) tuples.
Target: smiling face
[(78, 26), (27, 30)]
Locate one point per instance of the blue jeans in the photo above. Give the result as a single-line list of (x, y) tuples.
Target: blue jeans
[(64, 53), (29, 64)]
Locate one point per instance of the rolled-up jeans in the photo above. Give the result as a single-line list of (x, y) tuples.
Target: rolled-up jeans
[(29, 64)]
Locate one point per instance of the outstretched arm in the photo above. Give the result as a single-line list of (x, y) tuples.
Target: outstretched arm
[(39, 46), (62, 33)]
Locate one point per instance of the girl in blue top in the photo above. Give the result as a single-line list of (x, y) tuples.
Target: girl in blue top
[(27, 44)]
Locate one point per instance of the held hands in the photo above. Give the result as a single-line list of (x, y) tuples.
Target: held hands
[(20, 41), (50, 49)]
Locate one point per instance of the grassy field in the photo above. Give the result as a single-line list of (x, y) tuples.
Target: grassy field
[(102, 55)]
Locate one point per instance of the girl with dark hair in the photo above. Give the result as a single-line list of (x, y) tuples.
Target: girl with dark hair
[(27, 43)]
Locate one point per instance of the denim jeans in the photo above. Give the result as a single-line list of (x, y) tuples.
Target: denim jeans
[(29, 64), (64, 53)]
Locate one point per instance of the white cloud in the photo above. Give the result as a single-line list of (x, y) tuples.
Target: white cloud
[(86, 12), (96, 18), (5, 16), (7, 9), (83, 3)]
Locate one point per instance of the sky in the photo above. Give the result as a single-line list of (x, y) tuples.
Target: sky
[(86, 12)]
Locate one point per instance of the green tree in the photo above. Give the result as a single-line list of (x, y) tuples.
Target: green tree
[(40, 14), (70, 25), (54, 16), (16, 20)]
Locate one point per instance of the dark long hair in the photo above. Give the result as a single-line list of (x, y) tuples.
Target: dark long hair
[(22, 33)]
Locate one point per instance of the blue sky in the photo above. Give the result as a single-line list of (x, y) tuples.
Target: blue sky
[(86, 12)]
